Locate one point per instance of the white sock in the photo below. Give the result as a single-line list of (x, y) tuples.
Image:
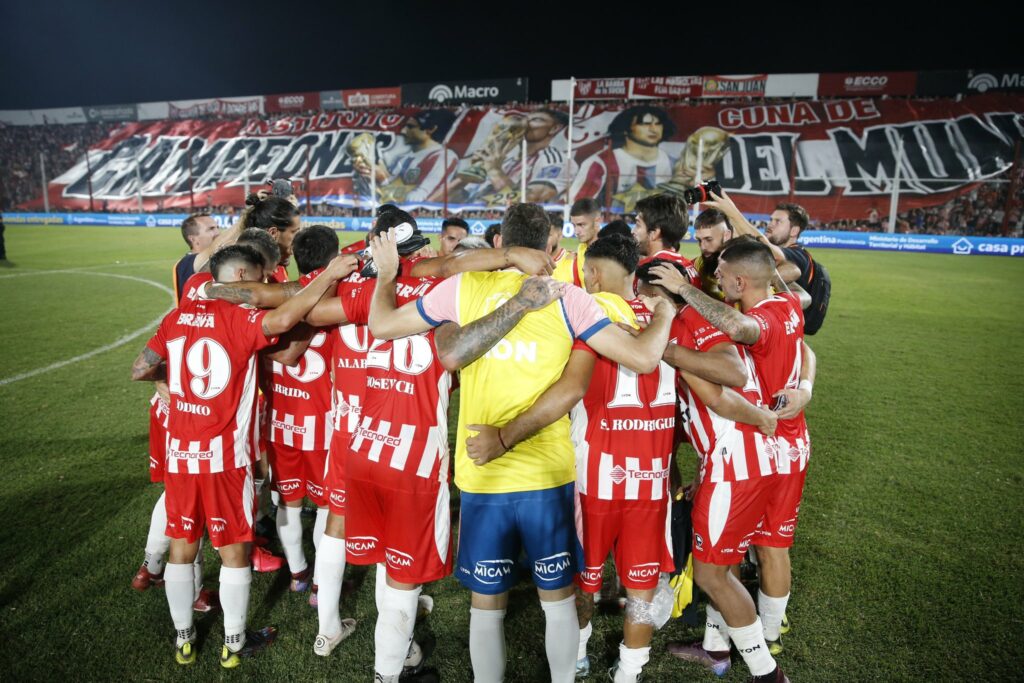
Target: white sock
[(561, 638), (157, 540), (487, 644), (771, 611), (584, 639), (330, 570), (319, 526), (178, 586), (234, 600), (393, 633), (750, 643), (197, 568), (380, 581), (631, 663), (289, 530), (716, 632)]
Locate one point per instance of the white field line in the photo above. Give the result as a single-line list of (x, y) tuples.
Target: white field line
[(119, 264), (103, 349)]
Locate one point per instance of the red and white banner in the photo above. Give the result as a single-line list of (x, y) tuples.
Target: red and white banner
[(838, 158), (735, 86), (602, 88), (371, 97), (867, 84), (214, 107), (667, 87), (299, 101)]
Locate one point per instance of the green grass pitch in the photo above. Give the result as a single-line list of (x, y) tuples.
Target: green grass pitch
[(908, 563)]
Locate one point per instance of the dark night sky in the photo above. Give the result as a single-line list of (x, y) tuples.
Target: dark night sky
[(105, 52)]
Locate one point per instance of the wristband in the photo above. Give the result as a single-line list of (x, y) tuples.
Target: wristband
[(806, 385), (502, 442)]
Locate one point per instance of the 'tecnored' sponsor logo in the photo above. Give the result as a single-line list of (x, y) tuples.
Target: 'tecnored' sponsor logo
[(297, 429), (360, 545), (551, 567), (619, 475), (189, 455), (492, 571), (371, 435)]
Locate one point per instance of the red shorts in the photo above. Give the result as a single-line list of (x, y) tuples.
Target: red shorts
[(636, 531), (782, 511), (410, 531), (726, 515), (334, 478), (297, 473), (223, 502), (157, 441)]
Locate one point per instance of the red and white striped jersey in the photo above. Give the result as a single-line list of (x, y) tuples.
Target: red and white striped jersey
[(402, 436), (622, 429), (210, 348), (777, 357), (348, 363), (299, 398), (424, 168), (614, 171), (728, 451)]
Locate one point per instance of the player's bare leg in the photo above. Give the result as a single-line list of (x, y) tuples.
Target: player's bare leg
[(561, 631), (737, 609), (773, 595), (487, 636), (637, 630), (392, 635), (330, 572)]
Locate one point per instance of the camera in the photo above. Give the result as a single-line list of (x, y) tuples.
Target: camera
[(702, 193)]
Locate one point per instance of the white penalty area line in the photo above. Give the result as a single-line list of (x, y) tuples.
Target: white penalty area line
[(103, 349)]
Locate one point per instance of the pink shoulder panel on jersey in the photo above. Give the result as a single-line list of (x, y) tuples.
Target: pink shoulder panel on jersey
[(584, 315), (441, 304)]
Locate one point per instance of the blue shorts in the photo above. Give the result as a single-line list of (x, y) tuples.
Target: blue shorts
[(496, 528)]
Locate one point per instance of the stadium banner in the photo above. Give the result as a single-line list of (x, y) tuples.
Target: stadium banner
[(791, 85), (666, 87), (497, 90), (112, 112), (867, 84), (228, 106), (947, 83), (929, 244), (831, 239), (371, 97), (838, 158), (735, 86), (174, 220), (603, 88), (299, 101)]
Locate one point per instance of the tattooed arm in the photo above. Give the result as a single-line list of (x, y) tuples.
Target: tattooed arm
[(258, 294), (742, 329), (149, 367), (286, 316), (457, 346)]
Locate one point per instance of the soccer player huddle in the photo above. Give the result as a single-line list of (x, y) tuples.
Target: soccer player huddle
[(576, 392)]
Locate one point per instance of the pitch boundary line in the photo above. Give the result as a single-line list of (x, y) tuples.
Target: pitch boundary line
[(82, 269), (102, 349)]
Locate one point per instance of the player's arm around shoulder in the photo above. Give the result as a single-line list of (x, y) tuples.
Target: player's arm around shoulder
[(640, 353)]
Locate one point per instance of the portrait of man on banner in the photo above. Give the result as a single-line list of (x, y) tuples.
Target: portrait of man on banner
[(415, 169)]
